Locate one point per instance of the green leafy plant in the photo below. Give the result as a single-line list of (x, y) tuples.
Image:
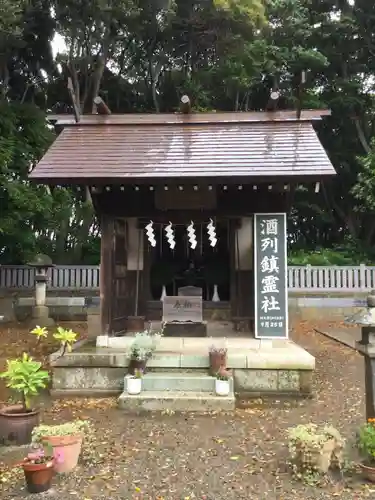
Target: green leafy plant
[(366, 441), (223, 374), (66, 338), (137, 374), (25, 376), (313, 451), (66, 429), (40, 332), (144, 345)]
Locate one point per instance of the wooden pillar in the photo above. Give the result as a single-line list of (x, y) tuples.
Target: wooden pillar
[(106, 250), (242, 288), (146, 272), (233, 276)]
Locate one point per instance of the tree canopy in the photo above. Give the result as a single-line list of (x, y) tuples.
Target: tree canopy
[(141, 56)]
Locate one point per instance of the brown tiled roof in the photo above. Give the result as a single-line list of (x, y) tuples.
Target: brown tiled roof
[(151, 151)]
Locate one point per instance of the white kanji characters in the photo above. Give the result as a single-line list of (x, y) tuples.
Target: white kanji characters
[(269, 243), (270, 227), (270, 304), (269, 284), (269, 264)]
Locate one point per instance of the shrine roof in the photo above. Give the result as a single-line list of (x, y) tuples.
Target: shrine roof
[(136, 147)]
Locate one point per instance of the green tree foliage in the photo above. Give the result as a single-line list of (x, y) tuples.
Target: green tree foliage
[(141, 56)]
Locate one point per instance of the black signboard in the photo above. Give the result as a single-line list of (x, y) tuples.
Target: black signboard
[(270, 274)]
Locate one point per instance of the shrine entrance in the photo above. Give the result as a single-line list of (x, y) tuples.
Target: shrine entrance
[(205, 266)]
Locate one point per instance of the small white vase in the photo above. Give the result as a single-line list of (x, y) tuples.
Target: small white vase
[(222, 387), (215, 297), (163, 293), (134, 385)]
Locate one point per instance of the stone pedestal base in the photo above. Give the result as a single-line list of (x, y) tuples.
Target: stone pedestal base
[(185, 329), (40, 317)]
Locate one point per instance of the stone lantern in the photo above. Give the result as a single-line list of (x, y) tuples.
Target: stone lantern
[(40, 312), (366, 346)]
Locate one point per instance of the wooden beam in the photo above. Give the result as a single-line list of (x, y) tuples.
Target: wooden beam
[(101, 106), (185, 104)]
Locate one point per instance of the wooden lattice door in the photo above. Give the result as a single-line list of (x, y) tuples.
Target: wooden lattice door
[(120, 300)]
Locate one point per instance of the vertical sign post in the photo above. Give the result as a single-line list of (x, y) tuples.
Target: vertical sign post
[(270, 275)]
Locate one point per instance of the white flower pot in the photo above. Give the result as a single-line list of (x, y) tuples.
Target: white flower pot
[(222, 387), (215, 297), (134, 385), (163, 293)]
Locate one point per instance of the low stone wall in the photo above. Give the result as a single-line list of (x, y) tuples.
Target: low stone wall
[(281, 372), (97, 381), (257, 383), (12, 311), (302, 307)]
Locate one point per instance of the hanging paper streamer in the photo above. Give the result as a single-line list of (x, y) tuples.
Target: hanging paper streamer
[(211, 233), (170, 236), (151, 234), (192, 236)]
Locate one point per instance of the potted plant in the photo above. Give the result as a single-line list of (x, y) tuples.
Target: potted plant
[(25, 376), (218, 358), (315, 449), (66, 441), (222, 382), (134, 382), (142, 349), (38, 468), (366, 446)]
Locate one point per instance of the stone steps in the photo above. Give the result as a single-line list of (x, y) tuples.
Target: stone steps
[(177, 391), (176, 401), (179, 381)]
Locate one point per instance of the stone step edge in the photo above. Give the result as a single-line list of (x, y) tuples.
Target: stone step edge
[(176, 402), (176, 395), (178, 382)]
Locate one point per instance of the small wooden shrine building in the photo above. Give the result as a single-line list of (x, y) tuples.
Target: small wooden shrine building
[(237, 171)]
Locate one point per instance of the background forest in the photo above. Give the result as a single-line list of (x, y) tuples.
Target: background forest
[(141, 56)]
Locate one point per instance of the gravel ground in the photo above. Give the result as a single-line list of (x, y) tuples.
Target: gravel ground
[(241, 455)]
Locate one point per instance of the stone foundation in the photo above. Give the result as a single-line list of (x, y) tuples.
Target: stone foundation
[(90, 381), (260, 367)]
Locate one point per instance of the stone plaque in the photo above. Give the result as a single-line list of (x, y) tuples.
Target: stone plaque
[(182, 309), (190, 291)]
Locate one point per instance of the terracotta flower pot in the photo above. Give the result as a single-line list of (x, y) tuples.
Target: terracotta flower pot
[(217, 361), (368, 472), (66, 451), (16, 425), (38, 476)]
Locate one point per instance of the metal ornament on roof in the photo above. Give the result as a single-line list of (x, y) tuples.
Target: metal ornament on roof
[(151, 234), (191, 235), (170, 236), (211, 233)]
